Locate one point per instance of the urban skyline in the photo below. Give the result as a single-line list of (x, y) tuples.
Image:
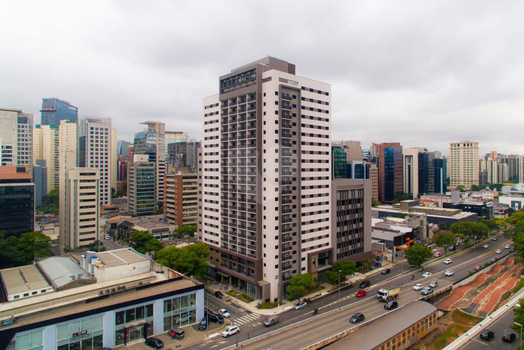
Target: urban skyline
[(408, 87)]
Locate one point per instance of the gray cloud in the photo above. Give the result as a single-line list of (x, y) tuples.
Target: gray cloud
[(422, 73)]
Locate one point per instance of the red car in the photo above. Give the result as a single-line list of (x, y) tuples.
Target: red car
[(438, 254), (361, 293)]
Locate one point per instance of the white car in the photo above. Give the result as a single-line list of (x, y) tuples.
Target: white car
[(448, 261), (498, 251), (506, 246), (494, 238), (426, 274), (300, 305), (485, 246), (224, 312), (449, 273), (418, 286), (231, 330), (433, 284)]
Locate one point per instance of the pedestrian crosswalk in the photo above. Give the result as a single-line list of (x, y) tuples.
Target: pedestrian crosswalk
[(245, 319)]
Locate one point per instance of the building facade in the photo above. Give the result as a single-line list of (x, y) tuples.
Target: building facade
[(183, 154), (17, 201), (340, 163), (79, 223), (441, 175), (16, 138), (100, 152), (390, 174), (419, 171), (45, 147), (351, 218), (181, 199), (40, 181), (141, 186), (151, 142), (55, 110), (464, 164), (266, 174)]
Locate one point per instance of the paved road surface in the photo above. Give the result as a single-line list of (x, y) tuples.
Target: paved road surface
[(498, 328), (298, 337)]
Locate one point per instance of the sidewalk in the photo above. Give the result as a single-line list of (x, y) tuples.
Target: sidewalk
[(326, 290), (192, 337)]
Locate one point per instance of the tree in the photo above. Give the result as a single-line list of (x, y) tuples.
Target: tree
[(401, 196), (460, 188), (143, 242), (444, 240), (50, 203), (417, 254), (347, 267), (516, 217), (299, 285), (442, 226), (374, 202), (187, 230), (190, 260), (9, 254), (472, 230), (514, 230), (33, 245)]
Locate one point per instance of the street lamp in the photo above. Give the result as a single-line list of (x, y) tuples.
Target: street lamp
[(518, 324), (339, 272), (236, 316)]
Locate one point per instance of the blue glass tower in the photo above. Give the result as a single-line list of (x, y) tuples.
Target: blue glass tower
[(54, 110)]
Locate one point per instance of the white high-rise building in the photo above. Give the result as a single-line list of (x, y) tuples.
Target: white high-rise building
[(464, 164), (16, 138), (79, 221), (265, 175), (100, 152)]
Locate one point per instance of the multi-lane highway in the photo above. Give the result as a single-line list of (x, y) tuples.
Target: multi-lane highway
[(496, 343), (331, 320)]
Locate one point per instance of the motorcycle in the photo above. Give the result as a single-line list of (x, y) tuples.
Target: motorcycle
[(315, 311)]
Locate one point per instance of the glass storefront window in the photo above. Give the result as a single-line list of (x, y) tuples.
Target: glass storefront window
[(176, 304), (140, 313), (149, 310), (130, 315), (183, 301), (119, 337), (167, 306)]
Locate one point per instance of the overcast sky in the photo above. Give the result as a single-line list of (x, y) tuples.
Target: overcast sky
[(424, 73)]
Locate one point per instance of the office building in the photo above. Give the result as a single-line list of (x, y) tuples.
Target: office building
[(419, 171), (94, 300), (390, 174), (181, 199), (55, 110), (100, 152), (464, 164), (141, 186), (151, 142), (17, 201), (40, 181), (373, 176), (174, 137), (266, 174), (340, 163), (16, 138), (122, 169), (79, 219), (441, 175), (123, 148), (351, 218), (352, 149), (45, 147), (183, 154)]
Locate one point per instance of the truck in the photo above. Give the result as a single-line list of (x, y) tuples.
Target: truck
[(388, 294)]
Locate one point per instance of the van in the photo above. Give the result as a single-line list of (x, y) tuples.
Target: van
[(271, 320)]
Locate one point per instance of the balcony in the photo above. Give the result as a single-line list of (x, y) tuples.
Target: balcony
[(286, 124), (286, 267), (286, 97), (251, 107), (233, 111), (286, 115), (286, 238), (286, 105), (286, 257)]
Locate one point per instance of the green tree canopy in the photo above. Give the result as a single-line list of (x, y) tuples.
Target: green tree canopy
[(190, 260), (299, 285), (187, 230), (516, 217), (10, 256), (518, 317), (470, 229), (417, 254), (444, 240), (347, 267), (33, 245), (143, 242), (50, 203)]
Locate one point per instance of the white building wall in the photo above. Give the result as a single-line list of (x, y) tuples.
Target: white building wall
[(209, 227)]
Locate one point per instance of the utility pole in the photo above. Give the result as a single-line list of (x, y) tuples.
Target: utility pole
[(518, 324)]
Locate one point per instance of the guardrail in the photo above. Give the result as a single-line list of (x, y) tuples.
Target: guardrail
[(473, 332)]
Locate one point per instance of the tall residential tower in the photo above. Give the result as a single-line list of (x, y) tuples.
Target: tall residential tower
[(265, 172), (463, 164)]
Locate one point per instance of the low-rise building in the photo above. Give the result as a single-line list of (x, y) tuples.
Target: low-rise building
[(121, 227), (395, 331), (95, 300)]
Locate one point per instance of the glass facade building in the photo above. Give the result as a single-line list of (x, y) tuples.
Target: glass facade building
[(339, 163), (55, 110), (441, 174), (17, 202)]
